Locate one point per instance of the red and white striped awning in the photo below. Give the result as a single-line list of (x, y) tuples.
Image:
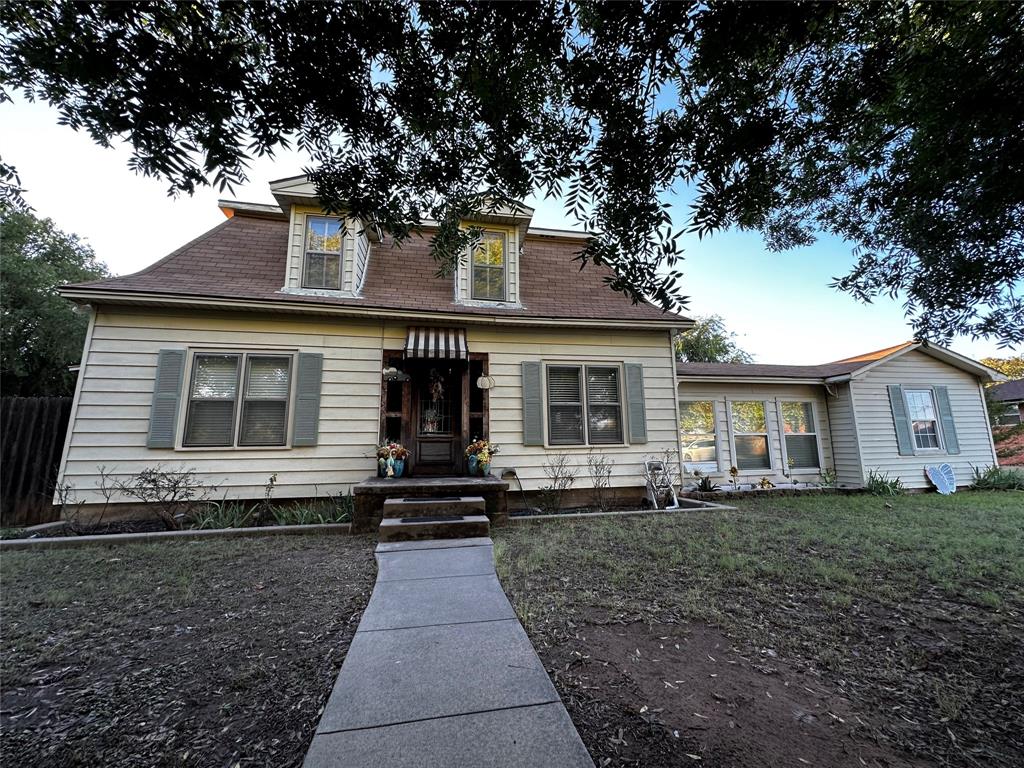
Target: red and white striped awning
[(445, 343)]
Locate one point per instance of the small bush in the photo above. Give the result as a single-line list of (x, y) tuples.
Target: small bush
[(880, 484), (222, 514), (997, 479), (706, 485), (561, 475)]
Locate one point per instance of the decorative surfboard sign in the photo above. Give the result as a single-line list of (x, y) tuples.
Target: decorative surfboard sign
[(942, 477)]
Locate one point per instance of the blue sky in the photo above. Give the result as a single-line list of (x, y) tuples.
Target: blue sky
[(779, 305)]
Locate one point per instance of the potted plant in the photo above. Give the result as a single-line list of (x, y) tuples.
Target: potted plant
[(478, 457), (391, 459)]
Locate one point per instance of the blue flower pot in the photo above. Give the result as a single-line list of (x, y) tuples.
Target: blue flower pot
[(471, 464), (485, 469), (399, 467)]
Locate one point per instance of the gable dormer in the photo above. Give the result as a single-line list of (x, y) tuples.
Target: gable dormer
[(327, 254), (488, 274)]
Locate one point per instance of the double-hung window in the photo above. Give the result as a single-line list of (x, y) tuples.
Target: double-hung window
[(923, 421), (238, 399), (321, 264), (801, 435), (488, 267), (697, 431), (750, 435), (584, 405)]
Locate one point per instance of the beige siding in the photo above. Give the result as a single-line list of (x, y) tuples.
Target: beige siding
[(508, 348), (112, 418), (771, 395), (877, 434), (845, 446), (111, 422)]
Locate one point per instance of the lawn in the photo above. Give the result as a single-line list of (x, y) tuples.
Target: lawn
[(829, 631), (215, 652)]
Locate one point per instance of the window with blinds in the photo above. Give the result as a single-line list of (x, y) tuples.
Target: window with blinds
[(238, 399), (565, 405), (750, 435), (801, 435), (321, 267), (575, 390)]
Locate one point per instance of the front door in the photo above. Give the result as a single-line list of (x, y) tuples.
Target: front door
[(437, 415)]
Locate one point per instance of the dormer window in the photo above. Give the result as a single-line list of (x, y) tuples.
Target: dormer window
[(489, 267), (321, 265)]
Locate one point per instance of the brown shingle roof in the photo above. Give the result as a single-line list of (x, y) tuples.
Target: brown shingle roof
[(244, 258), (1009, 391), (758, 370)]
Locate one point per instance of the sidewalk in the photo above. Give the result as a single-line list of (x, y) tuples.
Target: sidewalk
[(440, 672)]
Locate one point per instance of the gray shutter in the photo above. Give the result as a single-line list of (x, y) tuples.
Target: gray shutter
[(946, 417), (163, 413), (904, 435), (533, 405), (309, 374), (635, 400)]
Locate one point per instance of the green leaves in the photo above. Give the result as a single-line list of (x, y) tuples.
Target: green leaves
[(897, 127)]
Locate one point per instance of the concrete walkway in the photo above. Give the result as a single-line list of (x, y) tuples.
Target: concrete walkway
[(440, 672)]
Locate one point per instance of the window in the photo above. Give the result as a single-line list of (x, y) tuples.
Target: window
[(921, 409), (322, 261), (488, 267), (750, 435), (217, 417), (697, 430), (801, 435), (574, 390)]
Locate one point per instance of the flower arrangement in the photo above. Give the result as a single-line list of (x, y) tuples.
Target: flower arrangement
[(479, 454), (765, 484), (734, 473), (391, 459)]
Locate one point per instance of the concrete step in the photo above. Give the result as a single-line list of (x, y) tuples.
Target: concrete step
[(435, 527), (434, 506)]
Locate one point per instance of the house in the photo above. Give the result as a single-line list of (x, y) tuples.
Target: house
[(1011, 395), (894, 411), (289, 342), (286, 341)]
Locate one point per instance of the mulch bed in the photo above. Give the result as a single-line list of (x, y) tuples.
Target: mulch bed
[(218, 652)]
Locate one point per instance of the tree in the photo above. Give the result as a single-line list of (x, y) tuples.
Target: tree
[(1011, 367), (709, 341), (40, 333), (897, 126)]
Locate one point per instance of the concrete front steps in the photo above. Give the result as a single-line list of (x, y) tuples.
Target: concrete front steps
[(443, 517)]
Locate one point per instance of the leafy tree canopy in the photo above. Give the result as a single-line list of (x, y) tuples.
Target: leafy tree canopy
[(895, 125), (40, 333), (709, 341), (1011, 367)]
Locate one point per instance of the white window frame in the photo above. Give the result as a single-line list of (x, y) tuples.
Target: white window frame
[(703, 466), (504, 267), (767, 434), (907, 389), (817, 436), (306, 252), (243, 353), (618, 365)]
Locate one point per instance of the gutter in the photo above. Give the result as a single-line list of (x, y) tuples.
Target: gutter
[(265, 305), (749, 380)]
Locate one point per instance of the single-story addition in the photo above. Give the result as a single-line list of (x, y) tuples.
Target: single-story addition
[(1011, 395), (894, 412), (286, 341)]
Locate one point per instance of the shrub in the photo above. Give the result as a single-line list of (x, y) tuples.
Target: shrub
[(169, 492), (600, 468), (222, 514), (705, 485), (561, 477), (880, 484), (997, 479)]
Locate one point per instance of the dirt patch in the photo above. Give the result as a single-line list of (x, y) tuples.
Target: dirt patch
[(1009, 445), (199, 653), (690, 695)]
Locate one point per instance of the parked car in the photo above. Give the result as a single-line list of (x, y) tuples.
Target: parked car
[(700, 450)]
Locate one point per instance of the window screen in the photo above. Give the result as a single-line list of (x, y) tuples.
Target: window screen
[(750, 435), (604, 406), (265, 408), (488, 265), (322, 262), (801, 435), (565, 405), (212, 395)]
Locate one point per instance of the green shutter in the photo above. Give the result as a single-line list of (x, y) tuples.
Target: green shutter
[(635, 400), (946, 417), (533, 405), (163, 413), (309, 374), (904, 434)]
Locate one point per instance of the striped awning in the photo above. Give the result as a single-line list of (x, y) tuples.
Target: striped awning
[(445, 343)]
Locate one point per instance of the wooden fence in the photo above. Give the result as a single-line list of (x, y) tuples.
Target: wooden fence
[(31, 440)]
